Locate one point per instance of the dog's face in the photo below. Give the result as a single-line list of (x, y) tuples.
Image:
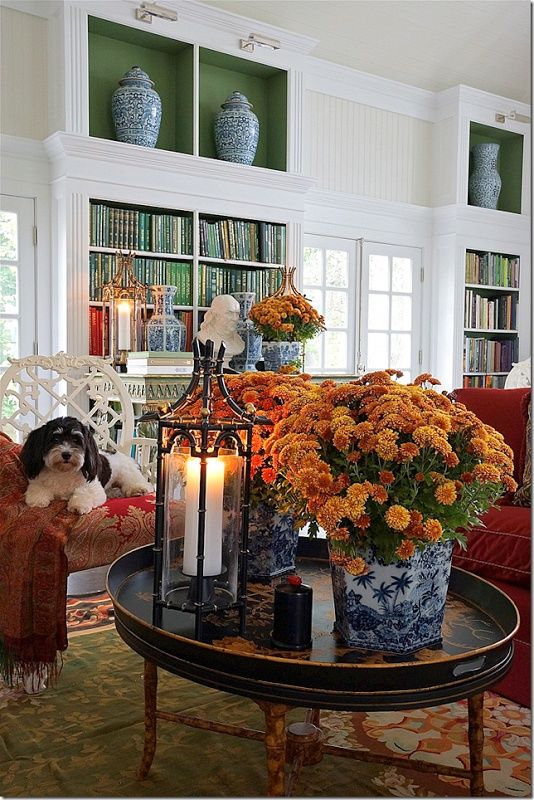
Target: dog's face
[(63, 445)]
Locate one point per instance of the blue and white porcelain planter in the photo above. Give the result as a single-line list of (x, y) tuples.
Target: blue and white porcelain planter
[(272, 542), (279, 354), (164, 330), (246, 360), (394, 608), (485, 181), (136, 109), (237, 130)]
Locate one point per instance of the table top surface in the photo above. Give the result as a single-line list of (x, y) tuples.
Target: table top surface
[(476, 651)]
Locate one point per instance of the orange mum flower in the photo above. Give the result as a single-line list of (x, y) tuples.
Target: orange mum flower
[(405, 550), (432, 530), (397, 517), (386, 477), (446, 493), (486, 473)]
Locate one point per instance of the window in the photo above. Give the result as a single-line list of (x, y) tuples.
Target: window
[(371, 306)]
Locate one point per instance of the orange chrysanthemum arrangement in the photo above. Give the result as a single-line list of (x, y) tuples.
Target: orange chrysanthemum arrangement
[(386, 467), (286, 316)]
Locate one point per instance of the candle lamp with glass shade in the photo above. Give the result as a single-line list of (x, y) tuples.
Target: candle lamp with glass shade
[(204, 468), (124, 312)]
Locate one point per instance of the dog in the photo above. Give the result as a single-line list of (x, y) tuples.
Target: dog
[(61, 461)]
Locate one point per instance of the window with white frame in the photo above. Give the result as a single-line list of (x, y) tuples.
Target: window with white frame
[(369, 294)]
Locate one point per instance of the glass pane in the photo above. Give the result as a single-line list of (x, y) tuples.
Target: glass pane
[(336, 350), (312, 354), (337, 268), (9, 340), (312, 266), (8, 236), (379, 273), (8, 290), (406, 376), (400, 350), (377, 351), (402, 275), (401, 313), (337, 315), (378, 312), (315, 296)]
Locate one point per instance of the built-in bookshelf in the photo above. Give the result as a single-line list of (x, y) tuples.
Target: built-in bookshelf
[(202, 255), (509, 162), (491, 300)]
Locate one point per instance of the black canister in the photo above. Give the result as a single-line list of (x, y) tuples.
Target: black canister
[(292, 614)]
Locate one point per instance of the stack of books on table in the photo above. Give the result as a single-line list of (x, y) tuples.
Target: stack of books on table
[(151, 362)]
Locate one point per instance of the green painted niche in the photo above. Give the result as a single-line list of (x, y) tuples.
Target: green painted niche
[(509, 162)]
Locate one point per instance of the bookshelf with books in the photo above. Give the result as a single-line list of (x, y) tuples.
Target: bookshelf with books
[(490, 324), (202, 255)]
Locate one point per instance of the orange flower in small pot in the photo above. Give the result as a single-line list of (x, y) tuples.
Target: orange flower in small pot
[(393, 474)]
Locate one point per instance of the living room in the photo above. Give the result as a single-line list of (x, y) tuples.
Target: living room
[(371, 116)]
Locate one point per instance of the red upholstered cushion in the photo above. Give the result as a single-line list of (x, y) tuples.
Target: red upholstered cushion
[(501, 550), (504, 410)]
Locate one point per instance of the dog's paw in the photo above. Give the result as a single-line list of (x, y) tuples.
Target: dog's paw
[(37, 498), (137, 489), (80, 505)]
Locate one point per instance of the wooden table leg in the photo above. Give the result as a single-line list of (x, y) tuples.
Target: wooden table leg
[(476, 744), (151, 692), (275, 746)]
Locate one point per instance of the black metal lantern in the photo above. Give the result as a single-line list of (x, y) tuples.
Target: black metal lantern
[(203, 475), (125, 314)]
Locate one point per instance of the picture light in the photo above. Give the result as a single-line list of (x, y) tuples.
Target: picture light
[(146, 11)]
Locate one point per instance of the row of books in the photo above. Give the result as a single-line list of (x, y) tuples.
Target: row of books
[(214, 280), (492, 269), (99, 332), (494, 313), (486, 355), (484, 381), (238, 240), (130, 229), (150, 271)]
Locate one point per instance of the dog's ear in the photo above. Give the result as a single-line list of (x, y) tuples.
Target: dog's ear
[(90, 464), (32, 453)]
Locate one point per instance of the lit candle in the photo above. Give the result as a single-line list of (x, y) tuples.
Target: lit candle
[(214, 516), (123, 325)]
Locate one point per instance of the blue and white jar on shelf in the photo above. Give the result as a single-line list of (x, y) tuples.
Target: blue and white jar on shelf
[(485, 181), (164, 330), (251, 353), (237, 130), (136, 109)]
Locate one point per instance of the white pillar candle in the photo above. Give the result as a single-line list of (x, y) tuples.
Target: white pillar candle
[(123, 325), (214, 516)]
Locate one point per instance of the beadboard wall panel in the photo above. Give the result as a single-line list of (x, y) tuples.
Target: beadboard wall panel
[(23, 74), (357, 149)]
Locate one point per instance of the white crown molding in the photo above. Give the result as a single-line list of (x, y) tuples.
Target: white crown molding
[(365, 205), (491, 102), (481, 222)]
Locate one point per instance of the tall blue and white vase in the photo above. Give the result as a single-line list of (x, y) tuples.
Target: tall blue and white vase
[(246, 360), (237, 130), (136, 109), (164, 330), (272, 542), (485, 181), (394, 608)]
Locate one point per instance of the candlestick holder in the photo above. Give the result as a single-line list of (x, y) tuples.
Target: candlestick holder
[(124, 312)]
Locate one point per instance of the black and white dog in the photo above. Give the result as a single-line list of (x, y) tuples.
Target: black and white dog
[(62, 461)]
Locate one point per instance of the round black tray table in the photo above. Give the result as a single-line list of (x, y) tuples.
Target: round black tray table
[(477, 650)]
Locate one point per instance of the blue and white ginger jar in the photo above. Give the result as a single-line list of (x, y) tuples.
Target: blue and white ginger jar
[(136, 109), (272, 542), (164, 330), (237, 130), (485, 181), (251, 353)]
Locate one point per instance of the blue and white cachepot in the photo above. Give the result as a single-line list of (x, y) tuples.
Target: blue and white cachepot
[(251, 353), (272, 542), (237, 130), (394, 608), (136, 109), (279, 354), (485, 181), (164, 330)]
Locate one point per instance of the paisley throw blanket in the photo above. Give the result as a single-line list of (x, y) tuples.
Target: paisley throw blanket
[(33, 576)]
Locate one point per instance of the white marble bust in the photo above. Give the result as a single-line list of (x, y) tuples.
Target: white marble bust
[(519, 375), (219, 325)]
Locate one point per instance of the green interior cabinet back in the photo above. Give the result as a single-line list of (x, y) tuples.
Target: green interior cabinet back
[(265, 87), (509, 162), (114, 49)]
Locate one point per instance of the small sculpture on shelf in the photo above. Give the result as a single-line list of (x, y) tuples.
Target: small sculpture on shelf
[(220, 325)]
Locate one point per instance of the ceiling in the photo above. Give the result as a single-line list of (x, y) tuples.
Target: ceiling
[(432, 44)]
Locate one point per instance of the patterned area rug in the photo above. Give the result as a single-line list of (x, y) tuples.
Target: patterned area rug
[(89, 613)]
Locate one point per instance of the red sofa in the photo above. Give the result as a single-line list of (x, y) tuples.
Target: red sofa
[(499, 550)]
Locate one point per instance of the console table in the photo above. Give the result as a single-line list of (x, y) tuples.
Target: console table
[(480, 622)]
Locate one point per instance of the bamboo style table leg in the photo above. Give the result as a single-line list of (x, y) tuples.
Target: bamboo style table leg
[(476, 744), (275, 746), (151, 692)]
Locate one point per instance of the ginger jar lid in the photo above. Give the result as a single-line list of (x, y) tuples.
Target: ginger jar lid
[(136, 77), (236, 100)]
